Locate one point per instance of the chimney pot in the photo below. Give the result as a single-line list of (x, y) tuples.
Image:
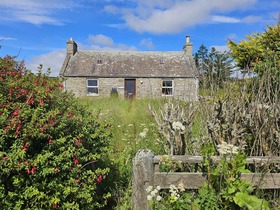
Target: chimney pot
[(187, 38), (71, 47)]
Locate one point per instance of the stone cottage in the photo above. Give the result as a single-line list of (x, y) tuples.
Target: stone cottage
[(132, 74)]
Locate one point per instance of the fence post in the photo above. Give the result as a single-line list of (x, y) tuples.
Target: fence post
[(143, 176)]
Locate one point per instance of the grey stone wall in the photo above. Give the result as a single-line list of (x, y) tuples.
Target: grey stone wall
[(184, 88)]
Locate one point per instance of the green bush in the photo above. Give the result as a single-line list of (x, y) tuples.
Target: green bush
[(49, 145)]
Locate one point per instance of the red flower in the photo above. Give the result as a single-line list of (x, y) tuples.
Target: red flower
[(78, 142), (25, 92), (76, 161), (57, 170), (51, 122), (11, 91), (54, 206), (28, 171), (33, 170), (17, 130), (16, 112), (41, 102), (50, 141), (24, 147), (99, 179), (70, 115), (5, 158)]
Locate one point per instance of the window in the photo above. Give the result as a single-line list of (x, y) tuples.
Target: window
[(167, 87), (92, 87), (99, 61)]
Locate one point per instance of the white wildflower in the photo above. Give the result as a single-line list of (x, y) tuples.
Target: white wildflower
[(142, 134), (172, 187), (178, 126), (149, 189), (130, 125), (154, 193), (227, 149), (181, 187), (158, 188), (159, 198), (149, 198)]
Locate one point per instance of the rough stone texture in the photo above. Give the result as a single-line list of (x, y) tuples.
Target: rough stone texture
[(185, 89), (111, 68)]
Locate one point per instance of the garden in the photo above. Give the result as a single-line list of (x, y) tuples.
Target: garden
[(62, 152)]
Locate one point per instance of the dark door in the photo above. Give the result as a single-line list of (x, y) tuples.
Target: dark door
[(129, 88)]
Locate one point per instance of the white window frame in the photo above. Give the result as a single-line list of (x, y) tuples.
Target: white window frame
[(92, 86), (167, 87)]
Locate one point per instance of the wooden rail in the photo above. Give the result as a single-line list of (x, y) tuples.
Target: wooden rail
[(146, 173)]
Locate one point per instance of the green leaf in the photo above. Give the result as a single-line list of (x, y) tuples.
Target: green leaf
[(250, 202)]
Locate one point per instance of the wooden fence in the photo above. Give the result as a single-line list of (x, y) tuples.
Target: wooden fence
[(146, 173)]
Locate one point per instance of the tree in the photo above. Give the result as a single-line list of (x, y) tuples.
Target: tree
[(259, 48), (260, 54), (214, 67), (47, 144), (200, 58)]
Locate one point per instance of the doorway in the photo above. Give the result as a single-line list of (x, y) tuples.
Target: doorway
[(130, 88)]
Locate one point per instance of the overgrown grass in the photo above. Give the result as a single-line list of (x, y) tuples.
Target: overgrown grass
[(221, 116), (133, 128)]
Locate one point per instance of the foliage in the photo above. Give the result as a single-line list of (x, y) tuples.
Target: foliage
[(214, 67), (250, 202), (133, 128), (175, 121), (172, 199), (256, 49), (167, 164), (260, 54), (49, 145)]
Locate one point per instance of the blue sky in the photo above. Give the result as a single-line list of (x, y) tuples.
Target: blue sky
[(37, 30)]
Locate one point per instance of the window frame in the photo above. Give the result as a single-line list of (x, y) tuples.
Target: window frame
[(167, 87), (92, 86)]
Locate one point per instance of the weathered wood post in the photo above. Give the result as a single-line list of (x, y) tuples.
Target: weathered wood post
[(143, 176)]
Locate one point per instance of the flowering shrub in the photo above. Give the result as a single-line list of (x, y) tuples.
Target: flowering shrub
[(172, 198), (49, 146)]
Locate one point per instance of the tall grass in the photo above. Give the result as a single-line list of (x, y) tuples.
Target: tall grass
[(241, 114)]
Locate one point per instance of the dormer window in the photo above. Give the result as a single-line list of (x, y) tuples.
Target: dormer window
[(99, 61)]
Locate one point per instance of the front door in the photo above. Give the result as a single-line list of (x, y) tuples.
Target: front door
[(129, 88)]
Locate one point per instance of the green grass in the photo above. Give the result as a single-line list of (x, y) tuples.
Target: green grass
[(128, 119)]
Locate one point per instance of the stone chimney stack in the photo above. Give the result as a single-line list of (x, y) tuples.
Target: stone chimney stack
[(188, 46), (71, 47)]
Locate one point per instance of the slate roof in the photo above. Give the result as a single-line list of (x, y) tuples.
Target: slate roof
[(128, 64)]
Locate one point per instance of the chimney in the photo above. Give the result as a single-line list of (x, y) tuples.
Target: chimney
[(71, 47), (188, 46)]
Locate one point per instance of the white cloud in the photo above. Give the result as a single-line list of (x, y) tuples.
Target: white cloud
[(4, 38), (251, 19), (147, 43), (224, 19), (52, 60), (172, 16), (232, 36), (33, 11), (103, 42), (221, 48)]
